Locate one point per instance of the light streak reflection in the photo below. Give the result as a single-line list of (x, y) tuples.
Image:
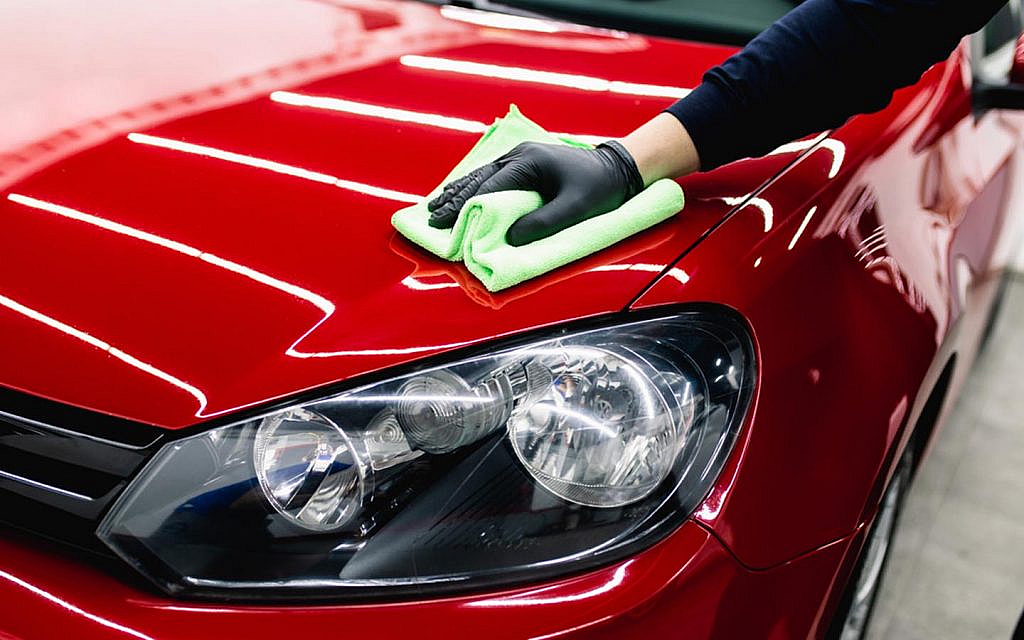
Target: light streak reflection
[(72, 608), (876, 241), (835, 147), (270, 165), (527, 600), (378, 111), (396, 114), (102, 345), (42, 485), (522, 23), (498, 20), (554, 78), (325, 306), (803, 225), (674, 272), (762, 205), (418, 285)]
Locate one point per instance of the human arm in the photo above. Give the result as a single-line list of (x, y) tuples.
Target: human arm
[(821, 63)]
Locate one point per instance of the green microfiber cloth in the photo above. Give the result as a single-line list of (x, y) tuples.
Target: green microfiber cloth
[(478, 236)]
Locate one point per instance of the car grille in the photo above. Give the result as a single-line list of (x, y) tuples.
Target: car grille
[(61, 467)]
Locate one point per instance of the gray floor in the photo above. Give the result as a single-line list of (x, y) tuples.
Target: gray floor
[(957, 569)]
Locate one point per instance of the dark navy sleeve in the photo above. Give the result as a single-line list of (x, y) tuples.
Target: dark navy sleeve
[(820, 64)]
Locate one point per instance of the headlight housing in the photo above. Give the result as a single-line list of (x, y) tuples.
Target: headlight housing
[(550, 456)]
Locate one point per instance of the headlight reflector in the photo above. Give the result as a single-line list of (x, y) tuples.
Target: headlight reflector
[(308, 469), (608, 429)]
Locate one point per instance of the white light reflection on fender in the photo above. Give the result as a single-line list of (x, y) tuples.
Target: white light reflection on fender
[(270, 165), (837, 148), (72, 608), (765, 207), (528, 599), (674, 272), (522, 74), (875, 242), (803, 225)]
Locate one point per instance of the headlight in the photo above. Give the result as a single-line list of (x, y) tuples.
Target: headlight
[(552, 456)]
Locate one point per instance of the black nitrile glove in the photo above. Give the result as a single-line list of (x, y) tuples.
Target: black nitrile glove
[(575, 183)]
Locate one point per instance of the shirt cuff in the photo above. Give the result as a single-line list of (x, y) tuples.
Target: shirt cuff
[(705, 113)]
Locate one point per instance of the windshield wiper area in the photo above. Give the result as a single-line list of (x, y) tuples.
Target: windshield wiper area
[(731, 22), (486, 5)]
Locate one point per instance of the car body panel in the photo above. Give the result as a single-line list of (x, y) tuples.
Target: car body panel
[(185, 267), (61, 596), (856, 298)]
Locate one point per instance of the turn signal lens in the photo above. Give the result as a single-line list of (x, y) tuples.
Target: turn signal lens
[(440, 412)]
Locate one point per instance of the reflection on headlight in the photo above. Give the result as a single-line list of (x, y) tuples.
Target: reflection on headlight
[(552, 456)]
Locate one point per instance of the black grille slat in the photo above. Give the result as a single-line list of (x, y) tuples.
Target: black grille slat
[(16, 461), (82, 423), (20, 442), (57, 478)]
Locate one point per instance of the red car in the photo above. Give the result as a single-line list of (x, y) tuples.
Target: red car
[(234, 404)]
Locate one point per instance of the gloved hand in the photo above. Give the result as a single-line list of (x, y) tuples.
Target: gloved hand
[(575, 183)]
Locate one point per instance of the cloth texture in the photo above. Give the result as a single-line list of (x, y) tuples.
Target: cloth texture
[(478, 236)]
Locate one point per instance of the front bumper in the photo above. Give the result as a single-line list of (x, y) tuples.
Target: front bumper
[(688, 585)]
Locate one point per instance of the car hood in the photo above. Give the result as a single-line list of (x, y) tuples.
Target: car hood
[(200, 242)]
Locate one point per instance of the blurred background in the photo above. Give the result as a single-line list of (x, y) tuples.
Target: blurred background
[(957, 567)]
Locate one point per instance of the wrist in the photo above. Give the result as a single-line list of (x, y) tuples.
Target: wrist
[(662, 148), (634, 182)]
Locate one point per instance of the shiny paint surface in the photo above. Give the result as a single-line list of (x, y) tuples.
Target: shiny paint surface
[(688, 579), (234, 247), (869, 283), (244, 253)]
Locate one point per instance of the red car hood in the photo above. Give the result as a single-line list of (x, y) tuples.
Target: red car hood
[(206, 244)]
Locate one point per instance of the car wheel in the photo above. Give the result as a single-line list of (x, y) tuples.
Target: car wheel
[(851, 621)]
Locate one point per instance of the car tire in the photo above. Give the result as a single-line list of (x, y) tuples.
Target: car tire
[(858, 601)]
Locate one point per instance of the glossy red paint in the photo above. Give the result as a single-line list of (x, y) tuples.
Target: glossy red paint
[(242, 253), (869, 281), (210, 249), (687, 581)]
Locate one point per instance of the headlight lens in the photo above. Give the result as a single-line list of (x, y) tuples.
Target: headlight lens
[(308, 469), (607, 429), (566, 452)]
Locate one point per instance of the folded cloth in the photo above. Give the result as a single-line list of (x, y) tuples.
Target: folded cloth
[(499, 265), (499, 139), (478, 236)]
